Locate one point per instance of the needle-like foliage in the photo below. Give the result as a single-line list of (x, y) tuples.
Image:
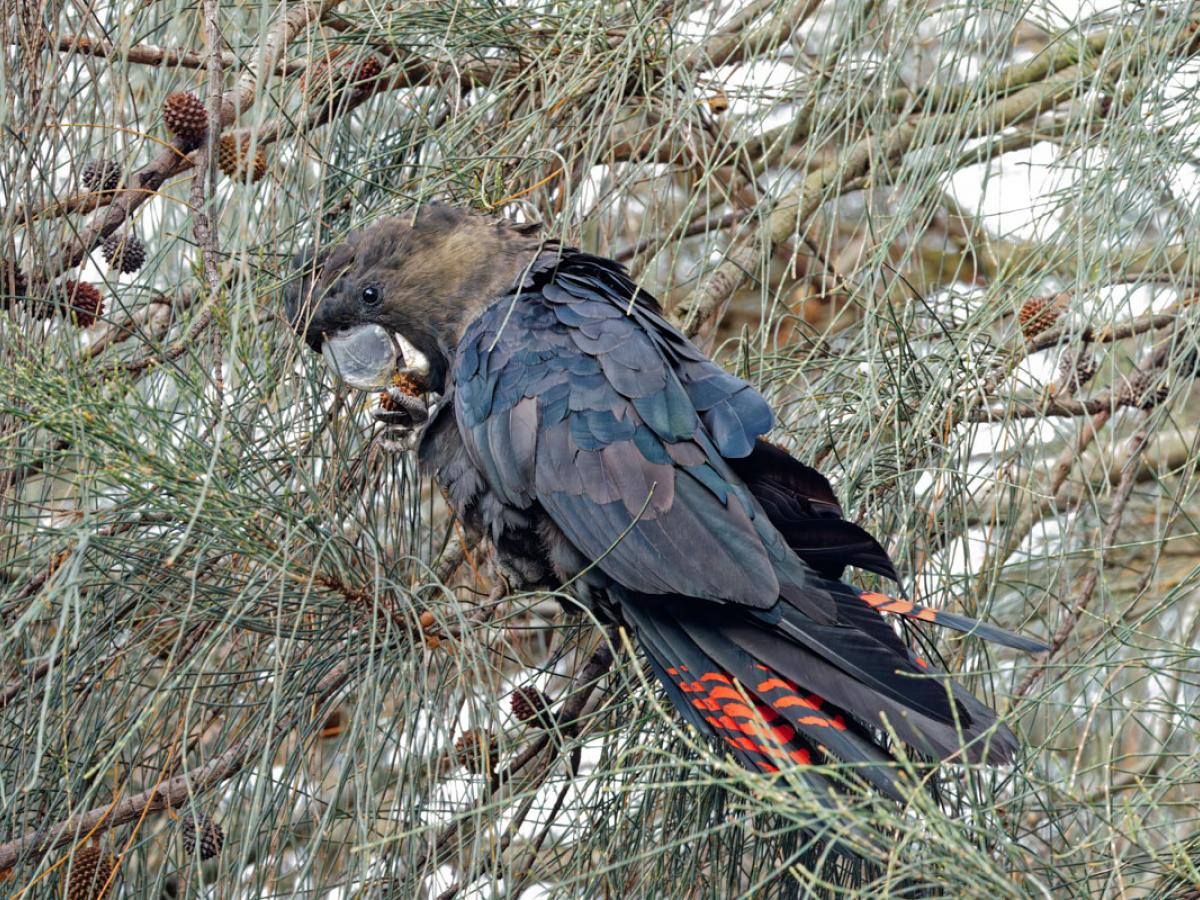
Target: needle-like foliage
[(956, 246)]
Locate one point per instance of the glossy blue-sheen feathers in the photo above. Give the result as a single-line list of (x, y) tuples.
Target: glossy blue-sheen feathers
[(629, 429)]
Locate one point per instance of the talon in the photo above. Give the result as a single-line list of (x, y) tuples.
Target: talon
[(400, 418), (398, 440), (402, 408)]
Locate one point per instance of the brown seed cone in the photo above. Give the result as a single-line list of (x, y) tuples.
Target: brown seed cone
[(212, 838), (13, 283), (83, 302), (477, 751), (101, 175), (185, 117), (406, 384), (365, 71), (125, 253), (1140, 391), (1038, 314), (235, 160), (91, 868), (530, 705), (1077, 369), (260, 165)]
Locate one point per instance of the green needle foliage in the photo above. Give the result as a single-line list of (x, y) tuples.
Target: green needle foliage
[(222, 602)]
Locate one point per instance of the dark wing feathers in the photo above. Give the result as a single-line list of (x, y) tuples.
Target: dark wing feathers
[(621, 459), (801, 504)]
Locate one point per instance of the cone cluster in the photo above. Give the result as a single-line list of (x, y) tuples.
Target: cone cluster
[(329, 77), (529, 705), (1078, 369), (124, 253), (477, 750), (365, 71), (1038, 314), (236, 161), (12, 283), (83, 302), (1140, 391)]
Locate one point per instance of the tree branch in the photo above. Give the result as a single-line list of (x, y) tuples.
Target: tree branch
[(174, 792), (151, 55), (873, 152)]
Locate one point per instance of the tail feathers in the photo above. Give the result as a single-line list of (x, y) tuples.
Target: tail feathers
[(866, 661), (884, 603), (967, 733), (691, 678), (712, 659), (766, 719), (820, 723)]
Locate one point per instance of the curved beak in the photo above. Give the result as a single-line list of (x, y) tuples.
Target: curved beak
[(365, 356)]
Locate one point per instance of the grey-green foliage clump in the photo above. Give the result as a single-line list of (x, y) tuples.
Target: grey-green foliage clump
[(216, 586)]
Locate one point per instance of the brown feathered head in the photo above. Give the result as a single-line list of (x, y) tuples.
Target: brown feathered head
[(423, 276)]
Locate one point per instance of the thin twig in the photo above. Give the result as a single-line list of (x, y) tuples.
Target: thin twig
[(152, 55), (1087, 586)]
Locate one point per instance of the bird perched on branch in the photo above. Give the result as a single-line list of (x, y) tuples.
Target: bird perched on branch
[(598, 448)]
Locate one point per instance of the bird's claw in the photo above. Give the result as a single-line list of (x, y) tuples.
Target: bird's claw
[(399, 440), (407, 411), (403, 421)]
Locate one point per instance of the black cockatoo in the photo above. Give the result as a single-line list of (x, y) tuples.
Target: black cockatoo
[(598, 448)]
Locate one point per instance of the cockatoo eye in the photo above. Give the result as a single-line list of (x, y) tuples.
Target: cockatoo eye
[(371, 295)]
